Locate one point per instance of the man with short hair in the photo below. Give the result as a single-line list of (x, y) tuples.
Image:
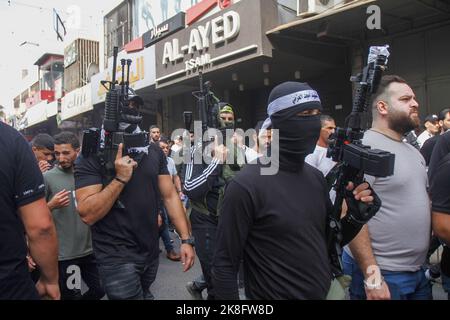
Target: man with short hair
[(431, 124), (444, 125), (386, 261), (24, 211), (42, 146), (74, 236), (155, 134), (318, 159), (123, 214)]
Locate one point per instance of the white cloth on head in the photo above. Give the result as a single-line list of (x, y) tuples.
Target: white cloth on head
[(289, 101)]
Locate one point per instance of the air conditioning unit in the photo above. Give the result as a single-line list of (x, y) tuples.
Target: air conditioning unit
[(306, 8)]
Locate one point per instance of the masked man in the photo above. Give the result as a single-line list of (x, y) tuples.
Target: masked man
[(277, 223), (204, 185)]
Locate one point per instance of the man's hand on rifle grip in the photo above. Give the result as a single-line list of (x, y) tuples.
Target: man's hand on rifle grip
[(124, 165), (364, 203)]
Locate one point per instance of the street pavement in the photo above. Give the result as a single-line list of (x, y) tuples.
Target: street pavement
[(170, 283)]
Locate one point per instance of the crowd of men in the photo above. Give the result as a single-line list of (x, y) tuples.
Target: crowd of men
[(63, 215)]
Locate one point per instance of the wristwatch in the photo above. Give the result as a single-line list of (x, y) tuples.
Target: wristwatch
[(189, 240)]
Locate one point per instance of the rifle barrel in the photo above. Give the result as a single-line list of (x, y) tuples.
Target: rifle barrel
[(113, 81)]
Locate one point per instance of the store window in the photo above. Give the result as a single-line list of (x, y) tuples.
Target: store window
[(117, 28)]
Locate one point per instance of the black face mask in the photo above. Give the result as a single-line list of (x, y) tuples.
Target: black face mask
[(297, 138)]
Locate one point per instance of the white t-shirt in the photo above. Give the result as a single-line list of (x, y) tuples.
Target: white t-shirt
[(171, 167), (318, 159), (424, 136), (175, 148)]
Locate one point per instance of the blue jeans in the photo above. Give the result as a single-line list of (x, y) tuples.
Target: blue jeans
[(128, 281), (402, 285), (164, 230)]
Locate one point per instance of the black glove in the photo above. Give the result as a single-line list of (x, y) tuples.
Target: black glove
[(359, 213)]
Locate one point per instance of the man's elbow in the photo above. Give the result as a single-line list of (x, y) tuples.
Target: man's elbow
[(442, 232), (85, 215), (441, 226)]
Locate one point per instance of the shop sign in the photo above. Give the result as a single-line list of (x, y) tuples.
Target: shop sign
[(76, 102)]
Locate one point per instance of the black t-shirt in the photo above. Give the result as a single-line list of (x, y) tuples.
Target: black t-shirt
[(440, 186), (129, 234), (277, 223), (427, 148), (440, 149), (21, 183)]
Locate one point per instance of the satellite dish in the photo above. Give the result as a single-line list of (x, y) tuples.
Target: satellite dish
[(91, 70)]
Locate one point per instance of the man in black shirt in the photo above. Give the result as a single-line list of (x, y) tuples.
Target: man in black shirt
[(125, 240), (277, 223), (439, 172), (444, 124), (22, 205)]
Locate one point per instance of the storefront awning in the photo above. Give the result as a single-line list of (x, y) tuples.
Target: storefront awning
[(334, 11), (349, 22), (36, 114)]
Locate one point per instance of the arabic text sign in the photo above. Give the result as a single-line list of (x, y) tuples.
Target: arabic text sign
[(76, 102), (142, 72), (164, 29)]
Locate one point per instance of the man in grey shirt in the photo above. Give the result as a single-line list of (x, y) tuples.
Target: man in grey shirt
[(392, 247), (75, 258)]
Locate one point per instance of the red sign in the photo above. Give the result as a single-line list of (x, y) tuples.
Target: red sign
[(135, 45), (224, 3), (200, 9)]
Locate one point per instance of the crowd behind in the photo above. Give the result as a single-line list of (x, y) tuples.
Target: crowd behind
[(245, 229)]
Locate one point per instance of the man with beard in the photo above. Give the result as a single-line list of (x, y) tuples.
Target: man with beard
[(155, 134), (122, 211), (386, 257), (74, 237), (277, 223)]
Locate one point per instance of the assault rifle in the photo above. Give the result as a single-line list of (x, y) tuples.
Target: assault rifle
[(355, 159)]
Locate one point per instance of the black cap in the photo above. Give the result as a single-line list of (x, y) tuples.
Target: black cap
[(431, 118)]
